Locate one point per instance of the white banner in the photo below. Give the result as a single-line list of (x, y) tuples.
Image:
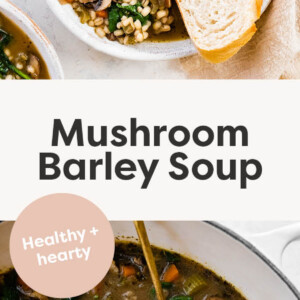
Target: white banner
[(255, 178)]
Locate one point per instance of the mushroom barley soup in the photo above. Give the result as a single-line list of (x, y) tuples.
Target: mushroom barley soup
[(131, 21), (129, 279), (19, 58)]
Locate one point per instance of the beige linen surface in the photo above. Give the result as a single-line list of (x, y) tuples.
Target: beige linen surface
[(273, 52)]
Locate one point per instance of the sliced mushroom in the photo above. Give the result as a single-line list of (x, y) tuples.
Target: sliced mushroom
[(33, 67), (161, 3), (111, 37), (98, 4), (168, 3), (154, 2)]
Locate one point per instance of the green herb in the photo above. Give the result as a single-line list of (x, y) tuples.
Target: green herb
[(113, 18), (3, 69), (131, 11), (8, 291), (164, 285), (4, 40), (117, 11), (171, 257), (5, 63)]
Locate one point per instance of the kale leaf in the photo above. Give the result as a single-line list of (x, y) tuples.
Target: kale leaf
[(131, 11), (5, 63), (114, 18), (117, 11)]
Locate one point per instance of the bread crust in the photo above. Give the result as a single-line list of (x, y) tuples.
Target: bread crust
[(222, 54), (259, 4)]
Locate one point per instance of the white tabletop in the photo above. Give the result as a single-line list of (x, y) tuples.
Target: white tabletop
[(79, 61)]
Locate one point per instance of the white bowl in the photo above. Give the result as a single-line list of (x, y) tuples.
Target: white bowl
[(44, 46), (146, 51)]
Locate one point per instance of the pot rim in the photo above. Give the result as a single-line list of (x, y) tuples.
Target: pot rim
[(258, 253)]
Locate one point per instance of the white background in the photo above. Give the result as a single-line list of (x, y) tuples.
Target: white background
[(82, 62), (270, 112)]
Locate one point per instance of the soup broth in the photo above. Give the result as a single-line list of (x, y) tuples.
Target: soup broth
[(178, 31), (129, 279)]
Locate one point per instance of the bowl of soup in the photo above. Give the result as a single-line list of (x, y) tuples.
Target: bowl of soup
[(145, 30), (25, 52)]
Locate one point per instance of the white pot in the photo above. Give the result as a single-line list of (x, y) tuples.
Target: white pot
[(226, 253), (44, 46), (217, 248)]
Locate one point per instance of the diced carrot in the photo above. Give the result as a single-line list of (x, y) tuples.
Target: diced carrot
[(171, 274), (128, 271), (102, 14)]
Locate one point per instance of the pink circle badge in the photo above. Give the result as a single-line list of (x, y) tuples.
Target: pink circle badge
[(62, 245)]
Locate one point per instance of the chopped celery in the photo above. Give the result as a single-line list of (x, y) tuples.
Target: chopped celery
[(193, 284), (84, 15)]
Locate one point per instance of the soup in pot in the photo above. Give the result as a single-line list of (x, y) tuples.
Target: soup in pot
[(129, 279)]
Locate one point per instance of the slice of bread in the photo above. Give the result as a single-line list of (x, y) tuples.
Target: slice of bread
[(220, 28)]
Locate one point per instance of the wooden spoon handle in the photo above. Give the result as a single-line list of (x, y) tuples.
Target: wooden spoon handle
[(142, 233)]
